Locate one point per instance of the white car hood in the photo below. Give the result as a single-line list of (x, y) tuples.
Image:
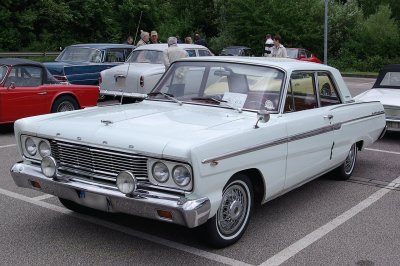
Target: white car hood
[(146, 127), (385, 96)]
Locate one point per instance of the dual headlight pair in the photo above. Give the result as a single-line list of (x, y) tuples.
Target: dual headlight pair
[(164, 172), (35, 148)]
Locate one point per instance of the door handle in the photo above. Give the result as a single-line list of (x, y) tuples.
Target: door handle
[(42, 93), (328, 116)]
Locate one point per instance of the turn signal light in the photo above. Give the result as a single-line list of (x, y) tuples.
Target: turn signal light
[(35, 184), (165, 214)]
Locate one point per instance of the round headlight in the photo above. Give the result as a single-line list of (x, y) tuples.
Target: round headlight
[(44, 149), (30, 146), (181, 176), (160, 172), (126, 182), (49, 166)]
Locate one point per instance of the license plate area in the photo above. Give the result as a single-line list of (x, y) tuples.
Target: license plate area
[(92, 200)]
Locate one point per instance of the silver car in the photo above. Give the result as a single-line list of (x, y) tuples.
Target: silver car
[(141, 71)]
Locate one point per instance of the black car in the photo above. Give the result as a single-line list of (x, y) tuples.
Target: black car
[(237, 51)]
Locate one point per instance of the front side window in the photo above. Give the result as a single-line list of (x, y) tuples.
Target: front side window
[(80, 54), (191, 52), (25, 76), (229, 85), (301, 92), (146, 56)]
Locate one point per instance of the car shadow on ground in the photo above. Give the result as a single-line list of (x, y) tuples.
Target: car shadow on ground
[(7, 128)]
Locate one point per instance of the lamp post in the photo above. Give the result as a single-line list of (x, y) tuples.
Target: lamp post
[(326, 33)]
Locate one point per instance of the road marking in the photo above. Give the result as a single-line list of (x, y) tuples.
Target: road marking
[(6, 146), (127, 230), (391, 152), (309, 239), (43, 197)]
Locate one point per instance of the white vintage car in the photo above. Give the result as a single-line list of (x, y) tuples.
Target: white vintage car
[(142, 70), (216, 136), (386, 90)]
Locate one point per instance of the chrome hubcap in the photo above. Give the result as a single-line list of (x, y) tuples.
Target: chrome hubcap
[(350, 160), (233, 209), (65, 106)]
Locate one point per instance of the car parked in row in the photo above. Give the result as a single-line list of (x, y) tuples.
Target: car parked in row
[(215, 137), (386, 90), (142, 70), (82, 63), (28, 89), (302, 54)]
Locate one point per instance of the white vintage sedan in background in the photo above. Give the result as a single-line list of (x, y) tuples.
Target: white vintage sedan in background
[(142, 70), (216, 136), (386, 90)]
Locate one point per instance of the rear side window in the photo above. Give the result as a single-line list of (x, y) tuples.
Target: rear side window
[(327, 91), (204, 53)]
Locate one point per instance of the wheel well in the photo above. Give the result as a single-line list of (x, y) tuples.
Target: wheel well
[(360, 145), (66, 94), (256, 179)]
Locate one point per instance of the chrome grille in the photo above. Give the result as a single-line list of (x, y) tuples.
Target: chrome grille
[(95, 163)]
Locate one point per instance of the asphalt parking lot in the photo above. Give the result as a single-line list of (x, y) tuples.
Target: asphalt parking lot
[(324, 222)]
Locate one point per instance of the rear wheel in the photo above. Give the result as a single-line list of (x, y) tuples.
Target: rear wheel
[(64, 103), (345, 171), (232, 217)]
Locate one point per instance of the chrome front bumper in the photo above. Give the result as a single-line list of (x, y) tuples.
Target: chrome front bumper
[(189, 213), (393, 123)]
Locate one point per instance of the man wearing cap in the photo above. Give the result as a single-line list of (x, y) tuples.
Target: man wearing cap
[(173, 52), (144, 38), (154, 37)]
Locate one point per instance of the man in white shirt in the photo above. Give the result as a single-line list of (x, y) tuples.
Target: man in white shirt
[(278, 50)]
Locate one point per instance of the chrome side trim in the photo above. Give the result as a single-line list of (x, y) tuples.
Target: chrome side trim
[(296, 137)]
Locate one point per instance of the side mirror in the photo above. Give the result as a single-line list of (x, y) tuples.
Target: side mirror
[(263, 116)]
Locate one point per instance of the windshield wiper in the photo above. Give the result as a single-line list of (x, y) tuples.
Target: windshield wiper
[(224, 103), (166, 95)]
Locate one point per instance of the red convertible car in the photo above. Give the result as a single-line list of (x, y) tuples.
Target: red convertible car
[(302, 54), (28, 89)]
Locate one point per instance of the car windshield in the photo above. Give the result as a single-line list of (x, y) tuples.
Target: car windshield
[(222, 84), (3, 72), (391, 79), (80, 54), (292, 53), (146, 56)]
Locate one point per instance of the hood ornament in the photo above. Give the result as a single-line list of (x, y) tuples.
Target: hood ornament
[(106, 122)]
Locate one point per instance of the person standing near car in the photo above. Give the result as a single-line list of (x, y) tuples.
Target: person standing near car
[(200, 41), (129, 40), (154, 37), (268, 45), (278, 50), (173, 52), (144, 38)]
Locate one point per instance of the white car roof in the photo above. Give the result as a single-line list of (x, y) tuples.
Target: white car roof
[(163, 46), (287, 64)]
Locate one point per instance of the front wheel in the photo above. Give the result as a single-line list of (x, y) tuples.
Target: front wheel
[(346, 169), (232, 217)]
